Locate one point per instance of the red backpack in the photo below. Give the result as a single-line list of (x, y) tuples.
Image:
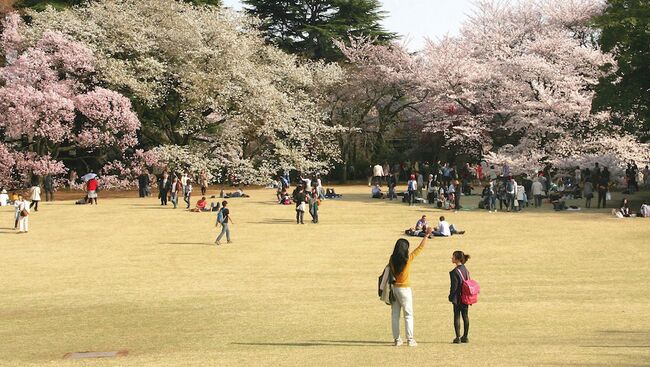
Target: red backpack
[(469, 290)]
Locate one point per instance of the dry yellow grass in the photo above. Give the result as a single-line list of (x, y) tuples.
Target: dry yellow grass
[(557, 288)]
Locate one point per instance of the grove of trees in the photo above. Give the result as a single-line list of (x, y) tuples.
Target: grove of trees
[(318, 86)]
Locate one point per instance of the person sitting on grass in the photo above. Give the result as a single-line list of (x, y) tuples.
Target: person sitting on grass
[(644, 211), (201, 206), (286, 199), (444, 229), (376, 192), (625, 208), (422, 224), (330, 194), (237, 194), (557, 199)]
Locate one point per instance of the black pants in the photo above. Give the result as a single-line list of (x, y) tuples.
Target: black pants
[(34, 204), (203, 189), (163, 197), (142, 190), (49, 195), (411, 197), (461, 310), (300, 215), (602, 195)]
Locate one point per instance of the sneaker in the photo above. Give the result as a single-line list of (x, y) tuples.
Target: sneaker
[(456, 341), (464, 339), (217, 242), (461, 232), (412, 343), (398, 342), (229, 241)]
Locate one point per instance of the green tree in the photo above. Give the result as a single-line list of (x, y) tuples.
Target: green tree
[(308, 27), (626, 92)]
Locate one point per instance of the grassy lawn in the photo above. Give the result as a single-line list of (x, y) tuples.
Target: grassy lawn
[(558, 289)]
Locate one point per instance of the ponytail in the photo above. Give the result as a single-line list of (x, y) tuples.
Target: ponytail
[(461, 256)]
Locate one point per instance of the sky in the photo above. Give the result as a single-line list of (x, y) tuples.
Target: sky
[(416, 19)]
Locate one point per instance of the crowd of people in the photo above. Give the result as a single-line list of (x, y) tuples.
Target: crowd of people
[(442, 185)]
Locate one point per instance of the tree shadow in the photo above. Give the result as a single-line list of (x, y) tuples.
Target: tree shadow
[(149, 206), (327, 343), (320, 344), (277, 221), (188, 243)]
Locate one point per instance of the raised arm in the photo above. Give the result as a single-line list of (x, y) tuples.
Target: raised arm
[(423, 243)]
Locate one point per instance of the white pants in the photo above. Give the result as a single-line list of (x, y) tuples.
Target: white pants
[(403, 300), (23, 222)]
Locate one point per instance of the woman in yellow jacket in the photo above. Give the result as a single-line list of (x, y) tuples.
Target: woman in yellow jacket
[(400, 264)]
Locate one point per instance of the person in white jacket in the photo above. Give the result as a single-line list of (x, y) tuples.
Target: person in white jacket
[(23, 220), (377, 174), (4, 198), (521, 196), (36, 197), (17, 204)]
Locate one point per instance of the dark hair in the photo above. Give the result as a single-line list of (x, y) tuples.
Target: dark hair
[(224, 203), (400, 255), (442, 218), (461, 256)]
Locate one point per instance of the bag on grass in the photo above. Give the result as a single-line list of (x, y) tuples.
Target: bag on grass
[(469, 290)]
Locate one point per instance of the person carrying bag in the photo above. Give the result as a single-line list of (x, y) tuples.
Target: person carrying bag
[(463, 292)]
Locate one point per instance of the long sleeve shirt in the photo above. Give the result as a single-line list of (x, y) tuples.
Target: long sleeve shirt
[(402, 279)]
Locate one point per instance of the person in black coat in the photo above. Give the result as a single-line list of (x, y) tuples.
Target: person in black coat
[(143, 183), (459, 258), (603, 184), (164, 186)]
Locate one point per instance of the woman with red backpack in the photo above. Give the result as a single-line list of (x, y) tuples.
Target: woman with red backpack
[(458, 276)]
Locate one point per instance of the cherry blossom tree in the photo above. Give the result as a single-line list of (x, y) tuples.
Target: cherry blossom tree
[(53, 114), (381, 93), (204, 83), (514, 87), (521, 76)]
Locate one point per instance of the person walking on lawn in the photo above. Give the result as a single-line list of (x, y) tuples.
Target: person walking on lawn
[(225, 222)]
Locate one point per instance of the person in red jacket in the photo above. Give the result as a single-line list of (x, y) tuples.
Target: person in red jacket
[(91, 190)]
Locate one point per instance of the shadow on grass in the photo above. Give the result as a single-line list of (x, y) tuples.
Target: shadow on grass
[(277, 221), (188, 243), (328, 343), (152, 207), (615, 346)]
